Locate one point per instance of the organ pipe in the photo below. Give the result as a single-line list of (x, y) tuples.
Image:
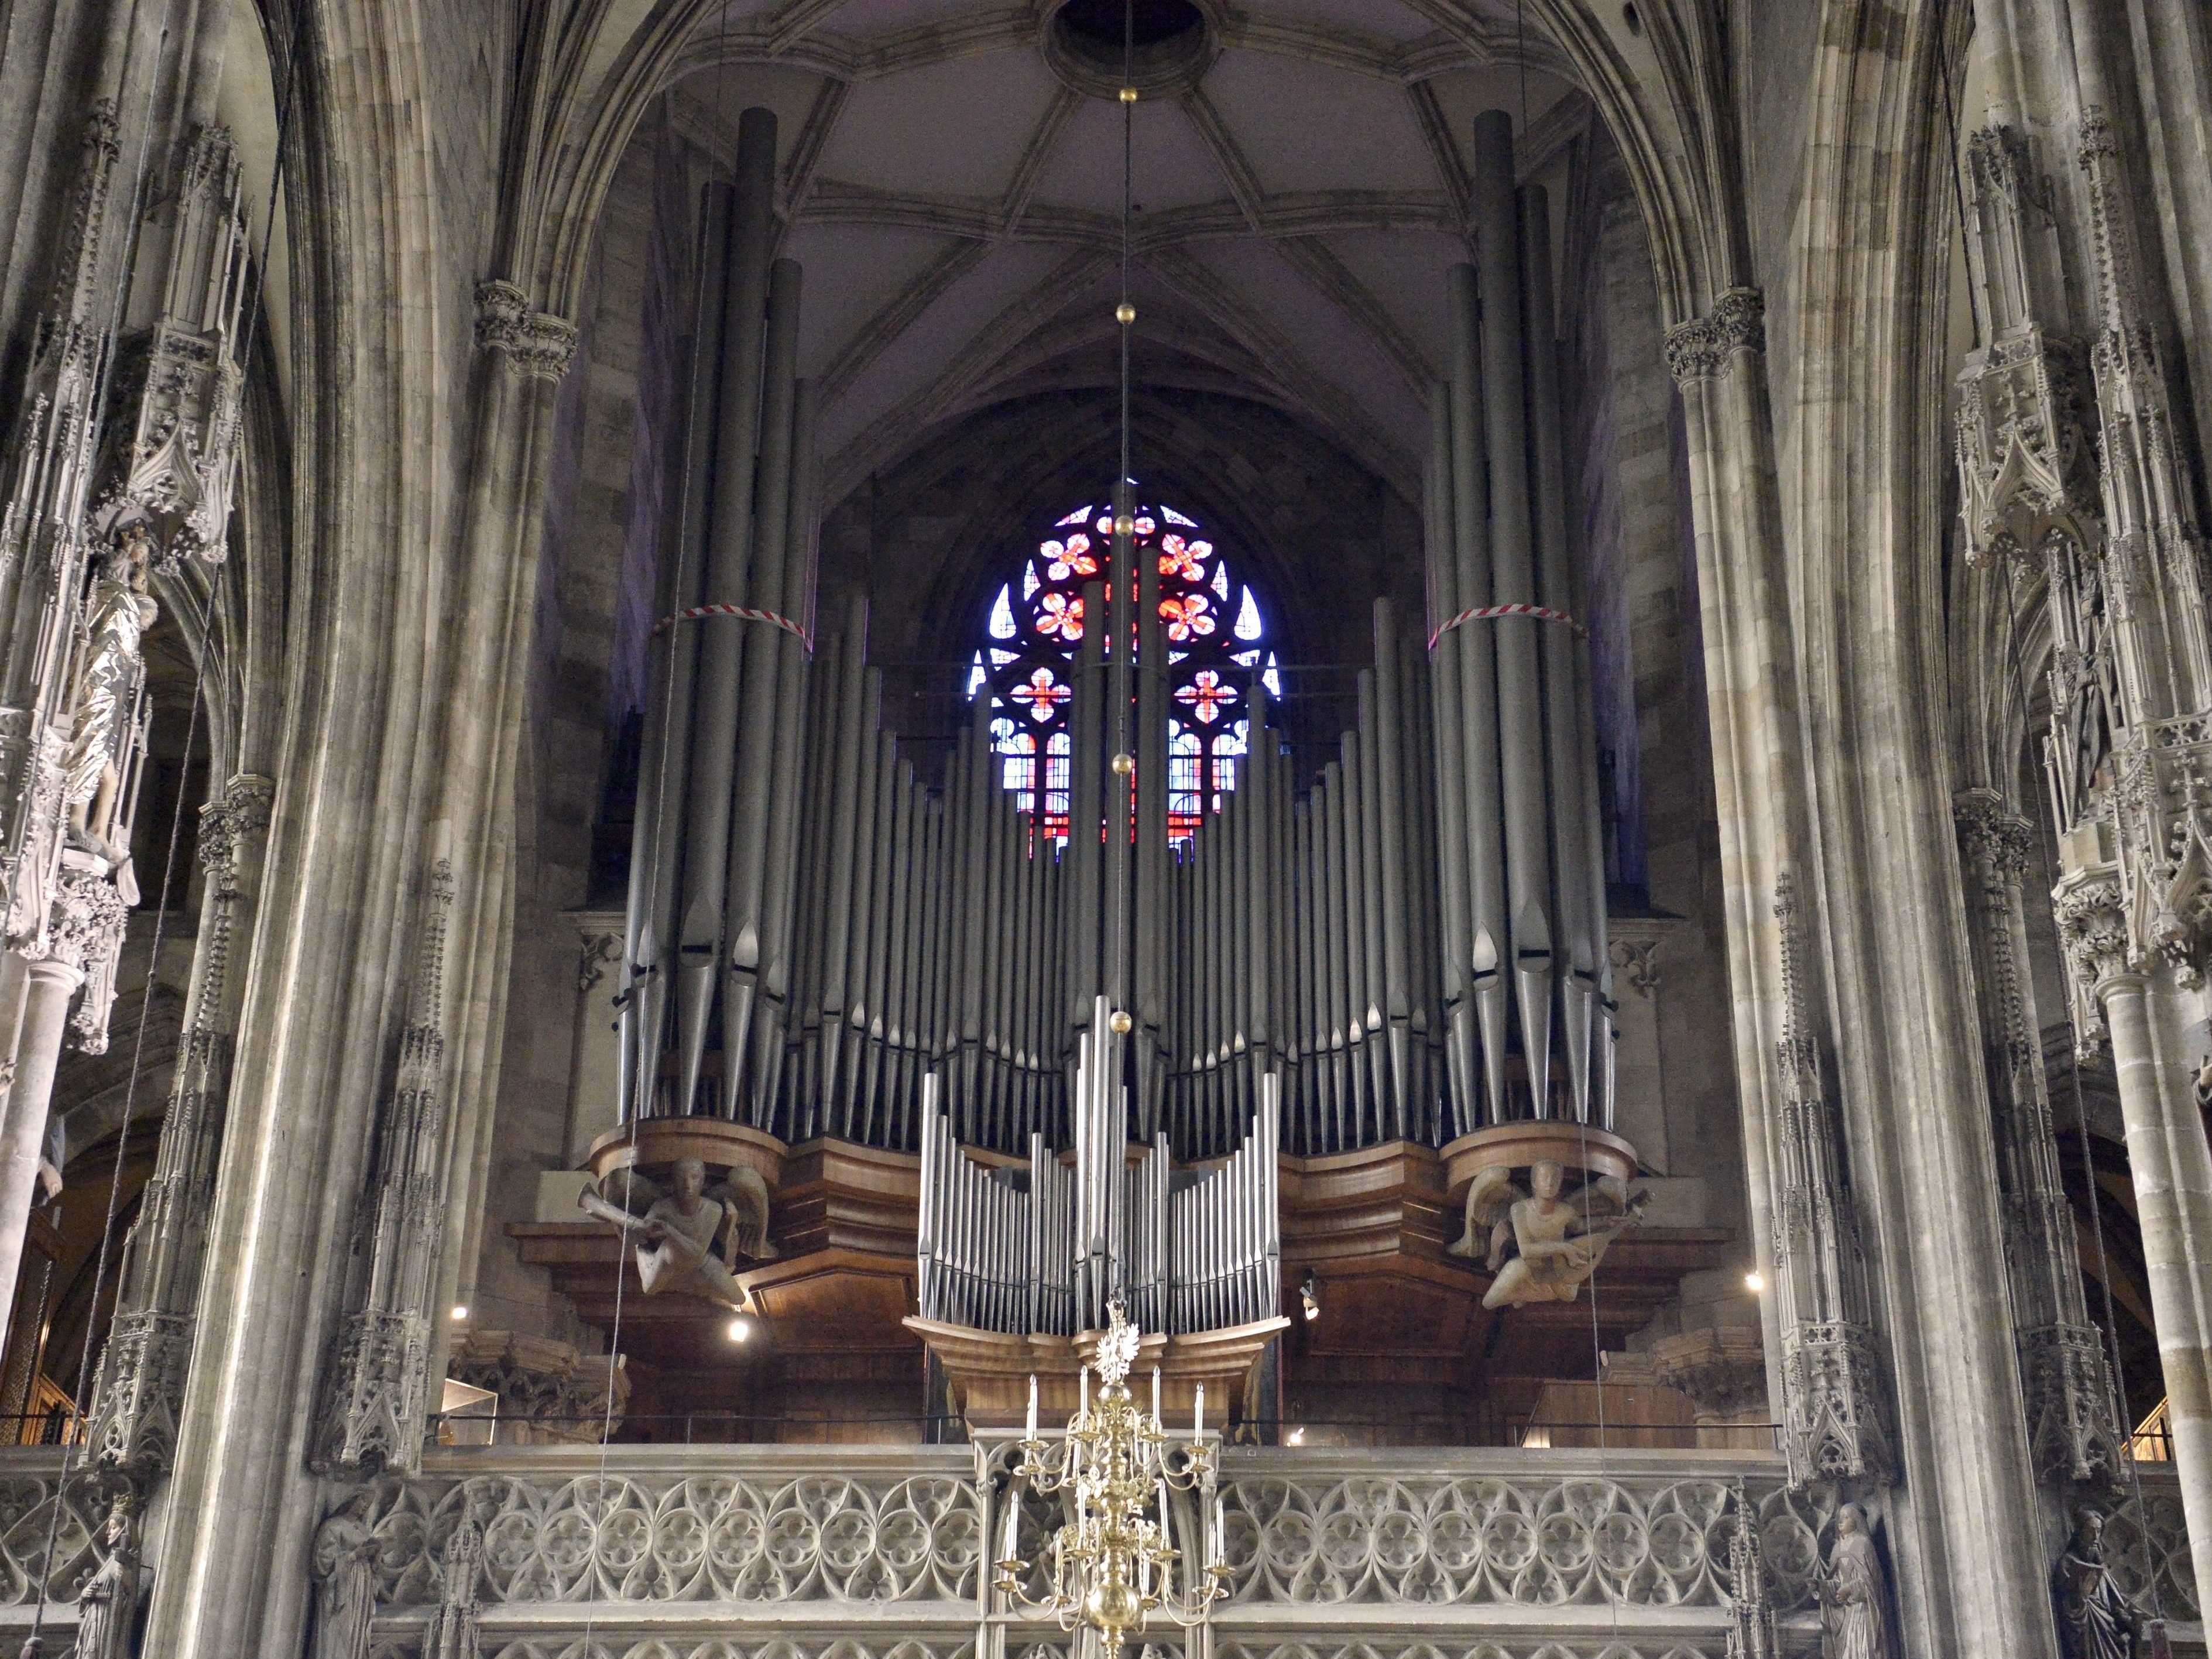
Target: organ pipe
[(729, 564), (1520, 715)]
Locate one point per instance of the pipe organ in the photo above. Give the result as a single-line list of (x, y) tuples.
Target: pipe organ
[(1046, 1246), (1408, 944)]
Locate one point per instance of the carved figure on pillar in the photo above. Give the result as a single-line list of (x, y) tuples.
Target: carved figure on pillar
[(104, 711), (343, 1562), (108, 1606), (1855, 1594), (2096, 1621)]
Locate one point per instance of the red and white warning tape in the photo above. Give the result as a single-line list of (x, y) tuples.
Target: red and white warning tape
[(742, 613), (1483, 613)]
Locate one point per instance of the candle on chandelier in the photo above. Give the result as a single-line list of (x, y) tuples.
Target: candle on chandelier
[(1197, 1415), (1013, 1522), (1156, 1396), (1220, 1549), (1085, 1406), (1031, 1435)]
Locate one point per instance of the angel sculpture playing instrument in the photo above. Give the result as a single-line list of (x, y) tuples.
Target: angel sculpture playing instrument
[(1542, 1247), (677, 1232)]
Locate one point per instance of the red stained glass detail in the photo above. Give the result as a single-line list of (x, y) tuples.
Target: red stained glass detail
[(1073, 558), (1062, 615), (1180, 560), (1206, 696), (1042, 693), (1190, 616)]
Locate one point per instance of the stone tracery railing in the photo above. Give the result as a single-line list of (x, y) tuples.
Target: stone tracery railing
[(874, 1552)]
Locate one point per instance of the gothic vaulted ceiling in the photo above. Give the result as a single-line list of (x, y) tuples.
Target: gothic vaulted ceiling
[(952, 177)]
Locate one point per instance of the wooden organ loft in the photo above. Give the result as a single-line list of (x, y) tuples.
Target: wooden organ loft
[(892, 996)]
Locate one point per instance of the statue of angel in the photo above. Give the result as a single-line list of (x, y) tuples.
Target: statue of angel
[(677, 1232), (1542, 1247)]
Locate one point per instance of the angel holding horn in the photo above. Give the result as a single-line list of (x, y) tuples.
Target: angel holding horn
[(1542, 1247), (677, 1232)]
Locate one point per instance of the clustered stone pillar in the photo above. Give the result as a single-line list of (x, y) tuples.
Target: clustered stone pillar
[(1829, 1334)]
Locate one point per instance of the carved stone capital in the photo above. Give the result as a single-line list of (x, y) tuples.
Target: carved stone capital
[(88, 919), (1722, 1371), (548, 1393), (1637, 962), (1699, 348), (2092, 933), (1989, 828), (234, 822), (536, 342), (598, 950)]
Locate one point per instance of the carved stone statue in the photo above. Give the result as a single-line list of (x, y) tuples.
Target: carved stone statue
[(1855, 1594), (108, 1606), (1542, 1246), (116, 622), (2096, 1621), (344, 1566), (452, 1629), (676, 1232)]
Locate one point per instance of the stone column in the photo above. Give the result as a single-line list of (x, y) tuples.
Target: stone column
[(2147, 1018), (350, 955), (2173, 1171), (52, 983)]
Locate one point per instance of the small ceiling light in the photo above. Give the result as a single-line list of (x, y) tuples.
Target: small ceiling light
[(1295, 1438), (740, 1330), (460, 1312), (1309, 1296), (1755, 1282)]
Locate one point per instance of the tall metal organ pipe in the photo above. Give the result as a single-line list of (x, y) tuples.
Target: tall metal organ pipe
[(729, 567)]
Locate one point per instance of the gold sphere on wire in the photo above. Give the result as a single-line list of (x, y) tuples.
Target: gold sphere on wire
[(1123, 765), (1124, 314), (1125, 526), (1120, 1023), (1128, 94)]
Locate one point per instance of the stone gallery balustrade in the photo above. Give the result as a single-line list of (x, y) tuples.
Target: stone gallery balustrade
[(865, 1552)]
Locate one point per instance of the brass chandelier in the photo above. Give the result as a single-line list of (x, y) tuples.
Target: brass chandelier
[(1113, 1564)]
